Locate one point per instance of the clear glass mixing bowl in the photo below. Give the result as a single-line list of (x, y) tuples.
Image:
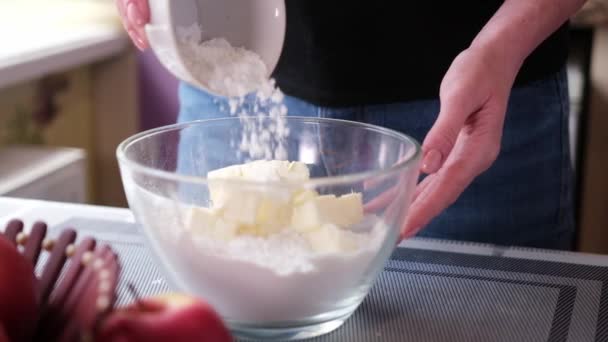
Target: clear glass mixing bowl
[(262, 289)]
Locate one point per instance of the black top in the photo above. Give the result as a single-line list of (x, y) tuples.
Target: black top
[(345, 53)]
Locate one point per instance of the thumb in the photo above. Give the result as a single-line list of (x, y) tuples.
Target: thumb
[(440, 140)]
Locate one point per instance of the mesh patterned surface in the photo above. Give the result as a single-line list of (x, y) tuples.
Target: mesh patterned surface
[(426, 295)]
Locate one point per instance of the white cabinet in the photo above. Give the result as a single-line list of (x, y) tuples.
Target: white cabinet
[(41, 172)]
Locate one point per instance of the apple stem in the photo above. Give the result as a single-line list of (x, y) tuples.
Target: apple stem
[(135, 294)]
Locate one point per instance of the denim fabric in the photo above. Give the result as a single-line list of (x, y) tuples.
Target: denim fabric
[(524, 199)]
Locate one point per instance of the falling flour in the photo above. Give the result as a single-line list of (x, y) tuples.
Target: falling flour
[(241, 76)]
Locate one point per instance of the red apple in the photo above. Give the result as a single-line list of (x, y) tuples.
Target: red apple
[(170, 317), (18, 304), (3, 337)]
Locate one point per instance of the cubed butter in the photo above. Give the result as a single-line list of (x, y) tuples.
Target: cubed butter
[(349, 208), (224, 230), (275, 170), (224, 193), (243, 208), (208, 222), (342, 211), (261, 212), (295, 171), (200, 219), (301, 196), (221, 192), (331, 239), (306, 216), (229, 172), (271, 211)]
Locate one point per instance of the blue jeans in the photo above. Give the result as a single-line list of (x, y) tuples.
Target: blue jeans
[(524, 199)]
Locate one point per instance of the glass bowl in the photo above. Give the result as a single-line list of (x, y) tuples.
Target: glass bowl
[(286, 257)]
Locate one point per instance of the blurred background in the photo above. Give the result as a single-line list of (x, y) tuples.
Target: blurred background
[(72, 87)]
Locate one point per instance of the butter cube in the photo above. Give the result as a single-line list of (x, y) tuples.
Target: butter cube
[(263, 211), (341, 211), (304, 195), (295, 171), (275, 170), (222, 191), (242, 208), (270, 211), (261, 170), (224, 230), (331, 239), (306, 216), (199, 219), (208, 222), (347, 210), (229, 172)]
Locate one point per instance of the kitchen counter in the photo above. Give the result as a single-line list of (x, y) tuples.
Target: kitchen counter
[(54, 213), (430, 290)]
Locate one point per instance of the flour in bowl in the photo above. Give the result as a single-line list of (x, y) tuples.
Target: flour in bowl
[(278, 278), (311, 250), (262, 279)]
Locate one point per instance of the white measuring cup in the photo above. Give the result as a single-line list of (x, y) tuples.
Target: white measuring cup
[(256, 25)]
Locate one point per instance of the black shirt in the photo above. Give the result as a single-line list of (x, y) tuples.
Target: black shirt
[(345, 53)]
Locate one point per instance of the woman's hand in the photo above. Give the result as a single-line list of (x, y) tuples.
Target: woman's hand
[(464, 141), (466, 137), (135, 15)]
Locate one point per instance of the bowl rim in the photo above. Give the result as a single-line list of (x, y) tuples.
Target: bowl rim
[(124, 161)]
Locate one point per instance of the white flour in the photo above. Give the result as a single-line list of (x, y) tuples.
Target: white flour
[(284, 253), (252, 279), (260, 280), (224, 69), (236, 72)]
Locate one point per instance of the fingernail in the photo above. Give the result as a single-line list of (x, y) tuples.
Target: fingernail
[(134, 15), (136, 39), (431, 162)]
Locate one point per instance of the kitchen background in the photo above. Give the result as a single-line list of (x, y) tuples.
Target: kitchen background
[(72, 87)]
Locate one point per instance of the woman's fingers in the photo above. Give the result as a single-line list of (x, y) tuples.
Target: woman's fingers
[(135, 15)]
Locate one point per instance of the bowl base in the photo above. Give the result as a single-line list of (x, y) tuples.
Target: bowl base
[(287, 332)]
